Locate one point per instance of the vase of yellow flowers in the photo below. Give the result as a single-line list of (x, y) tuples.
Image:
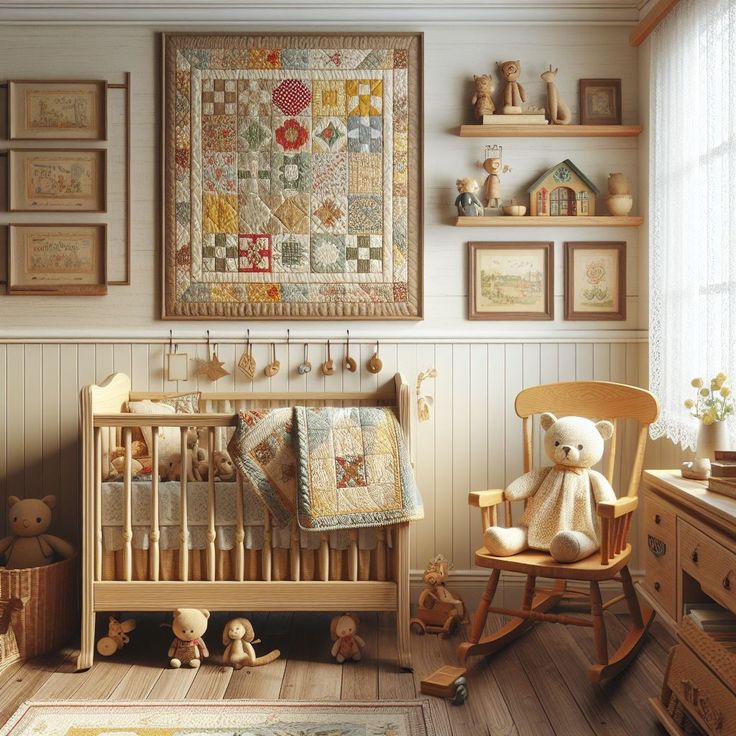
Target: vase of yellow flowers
[(712, 405)]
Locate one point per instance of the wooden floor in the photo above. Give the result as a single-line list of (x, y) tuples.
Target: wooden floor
[(536, 686)]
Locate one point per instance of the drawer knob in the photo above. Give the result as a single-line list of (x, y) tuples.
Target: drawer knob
[(727, 580), (657, 519), (657, 586), (694, 556)]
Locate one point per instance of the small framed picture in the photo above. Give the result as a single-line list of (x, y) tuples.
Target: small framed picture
[(595, 281), (57, 259), (57, 180), (177, 366), (600, 102), (510, 281), (57, 110)]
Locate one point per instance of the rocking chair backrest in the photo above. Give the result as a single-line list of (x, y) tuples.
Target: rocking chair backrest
[(594, 400)]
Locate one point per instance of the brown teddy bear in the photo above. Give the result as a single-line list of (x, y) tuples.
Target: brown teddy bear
[(29, 545), (224, 468), (513, 92), (344, 632), (188, 648), (482, 99)]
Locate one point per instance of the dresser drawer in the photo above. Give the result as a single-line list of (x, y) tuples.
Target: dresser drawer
[(661, 554), (709, 562), (710, 703)]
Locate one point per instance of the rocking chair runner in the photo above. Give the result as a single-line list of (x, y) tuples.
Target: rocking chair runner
[(594, 400)]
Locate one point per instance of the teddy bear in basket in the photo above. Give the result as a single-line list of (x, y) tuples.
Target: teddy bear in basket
[(560, 515), (29, 545)]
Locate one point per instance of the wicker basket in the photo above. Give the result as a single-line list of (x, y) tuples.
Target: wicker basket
[(49, 617), (717, 657)]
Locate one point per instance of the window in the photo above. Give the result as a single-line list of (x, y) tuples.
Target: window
[(692, 206)]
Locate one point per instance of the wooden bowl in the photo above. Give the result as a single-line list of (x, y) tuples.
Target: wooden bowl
[(514, 210)]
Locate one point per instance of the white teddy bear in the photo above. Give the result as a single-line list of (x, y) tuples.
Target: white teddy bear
[(560, 513)]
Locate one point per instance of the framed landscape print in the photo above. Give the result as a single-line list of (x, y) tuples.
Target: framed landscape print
[(292, 176), (59, 179), (57, 259), (600, 102), (57, 110), (595, 281), (510, 281)]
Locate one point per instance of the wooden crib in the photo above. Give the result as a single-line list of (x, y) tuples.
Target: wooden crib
[(289, 577)]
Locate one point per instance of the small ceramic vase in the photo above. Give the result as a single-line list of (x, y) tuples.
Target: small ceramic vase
[(617, 184), (619, 205), (712, 437)]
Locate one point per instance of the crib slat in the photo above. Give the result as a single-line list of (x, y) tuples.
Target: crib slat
[(128, 505), (381, 553), (353, 555), (155, 530), (211, 504), (239, 533), (324, 556), (98, 503), (295, 552), (266, 553), (183, 514)]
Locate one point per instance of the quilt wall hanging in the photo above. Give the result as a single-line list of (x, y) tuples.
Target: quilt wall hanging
[(293, 176)]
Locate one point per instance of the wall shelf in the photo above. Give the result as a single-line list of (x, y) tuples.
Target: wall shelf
[(549, 131), (527, 221)]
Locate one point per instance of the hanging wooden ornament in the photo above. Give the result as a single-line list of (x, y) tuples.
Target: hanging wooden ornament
[(213, 366), (375, 364), (177, 364), (247, 362), (349, 363), (274, 366), (328, 367), (305, 366)]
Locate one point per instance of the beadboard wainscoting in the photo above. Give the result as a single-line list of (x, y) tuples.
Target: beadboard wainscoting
[(473, 440)]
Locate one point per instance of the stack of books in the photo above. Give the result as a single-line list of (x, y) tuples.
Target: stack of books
[(716, 621), (723, 473)]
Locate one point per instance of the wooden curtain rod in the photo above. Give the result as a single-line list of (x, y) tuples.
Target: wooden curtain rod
[(651, 20)]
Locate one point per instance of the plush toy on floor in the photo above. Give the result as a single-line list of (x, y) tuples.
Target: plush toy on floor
[(117, 636), (344, 632), (29, 545), (238, 638), (188, 648), (560, 515)]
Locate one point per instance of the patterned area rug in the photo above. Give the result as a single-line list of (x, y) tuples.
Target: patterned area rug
[(221, 718)]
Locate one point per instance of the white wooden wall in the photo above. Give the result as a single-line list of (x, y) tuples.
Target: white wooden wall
[(473, 440)]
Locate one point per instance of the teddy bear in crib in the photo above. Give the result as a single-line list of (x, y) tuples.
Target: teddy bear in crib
[(560, 515), (188, 648), (482, 99), (29, 545), (347, 643), (174, 468), (223, 465), (513, 92)]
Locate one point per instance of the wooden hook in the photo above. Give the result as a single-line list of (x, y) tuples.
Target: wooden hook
[(350, 363), (274, 366), (375, 364), (328, 367)]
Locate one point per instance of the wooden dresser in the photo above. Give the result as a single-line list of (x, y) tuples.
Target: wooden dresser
[(691, 557)]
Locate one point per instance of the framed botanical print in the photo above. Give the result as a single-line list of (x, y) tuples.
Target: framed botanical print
[(510, 281), (595, 281), (57, 110), (292, 169), (600, 102), (57, 180), (57, 259)]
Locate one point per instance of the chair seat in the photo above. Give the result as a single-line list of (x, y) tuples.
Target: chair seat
[(541, 564)]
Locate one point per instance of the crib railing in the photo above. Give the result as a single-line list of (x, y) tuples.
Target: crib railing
[(279, 563)]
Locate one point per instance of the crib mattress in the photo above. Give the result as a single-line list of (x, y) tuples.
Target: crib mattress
[(197, 519)]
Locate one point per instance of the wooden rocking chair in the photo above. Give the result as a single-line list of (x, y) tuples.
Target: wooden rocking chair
[(594, 400)]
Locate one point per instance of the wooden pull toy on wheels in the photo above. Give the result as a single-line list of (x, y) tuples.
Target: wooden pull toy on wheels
[(438, 610)]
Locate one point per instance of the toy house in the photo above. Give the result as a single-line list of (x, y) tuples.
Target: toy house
[(562, 191)]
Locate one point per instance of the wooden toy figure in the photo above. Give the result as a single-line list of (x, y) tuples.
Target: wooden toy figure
[(438, 610), (117, 636), (513, 92), (482, 99), (558, 111), (493, 165), (467, 201)]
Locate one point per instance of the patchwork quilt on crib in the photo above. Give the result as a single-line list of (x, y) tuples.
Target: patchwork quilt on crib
[(332, 468)]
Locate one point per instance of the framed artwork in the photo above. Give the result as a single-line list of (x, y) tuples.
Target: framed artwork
[(57, 110), (57, 259), (292, 173), (595, 281), (600, 102), (511, 281), (59, 179)]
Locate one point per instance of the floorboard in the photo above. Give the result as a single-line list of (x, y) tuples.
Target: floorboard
[(538, 686)]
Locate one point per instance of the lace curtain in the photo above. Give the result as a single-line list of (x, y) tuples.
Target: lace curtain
[(692, 207)]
